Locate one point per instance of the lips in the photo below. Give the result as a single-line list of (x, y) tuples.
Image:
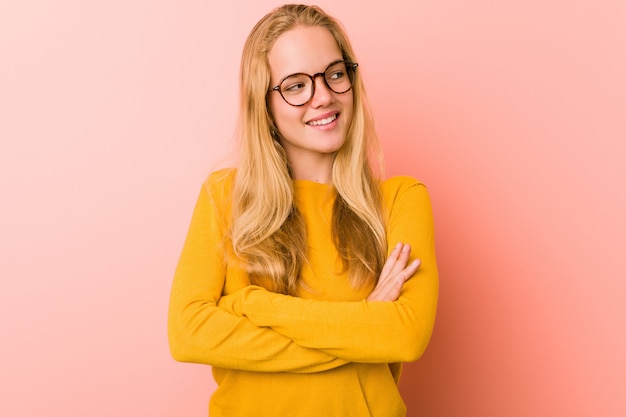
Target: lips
[(324, 119)]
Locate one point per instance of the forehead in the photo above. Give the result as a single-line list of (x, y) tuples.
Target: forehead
[(302, 49)]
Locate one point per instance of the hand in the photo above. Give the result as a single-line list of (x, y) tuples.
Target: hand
[(394, 274)]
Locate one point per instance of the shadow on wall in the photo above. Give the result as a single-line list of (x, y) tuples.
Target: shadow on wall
[(483, 360), (493, 352)]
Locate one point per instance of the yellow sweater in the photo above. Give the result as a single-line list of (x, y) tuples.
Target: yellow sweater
[(326, 352)]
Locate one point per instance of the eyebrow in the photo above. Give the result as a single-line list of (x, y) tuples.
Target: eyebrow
[(301, 72)]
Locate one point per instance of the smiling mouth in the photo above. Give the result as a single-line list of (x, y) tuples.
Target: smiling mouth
[(322, 122)]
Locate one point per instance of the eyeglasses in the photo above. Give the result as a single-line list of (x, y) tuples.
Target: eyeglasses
[(298, 89)]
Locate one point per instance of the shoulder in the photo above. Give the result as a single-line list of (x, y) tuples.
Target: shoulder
[(404, 195), (216, 190), (396, 186), (220, 178), (220, 182)]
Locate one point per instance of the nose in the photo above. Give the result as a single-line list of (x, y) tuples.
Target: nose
[(322, 95)]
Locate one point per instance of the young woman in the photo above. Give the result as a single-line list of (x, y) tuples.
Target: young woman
[(305, 280)]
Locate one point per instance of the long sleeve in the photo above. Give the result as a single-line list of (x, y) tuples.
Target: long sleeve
[(200, 331), (362, 331)]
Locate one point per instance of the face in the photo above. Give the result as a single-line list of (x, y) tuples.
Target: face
[(312, 133)]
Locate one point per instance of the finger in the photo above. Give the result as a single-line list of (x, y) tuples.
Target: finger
[(391, 291), (410, 270), (402, 260), (396, 281), (389, 288), (386, 292), (391, 260), (395, 264)]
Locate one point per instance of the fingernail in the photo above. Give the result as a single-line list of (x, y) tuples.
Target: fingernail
[(399, 245)]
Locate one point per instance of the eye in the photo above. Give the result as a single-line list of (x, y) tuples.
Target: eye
[(336, 72), (295, 84), (294, 87), (336, 75)]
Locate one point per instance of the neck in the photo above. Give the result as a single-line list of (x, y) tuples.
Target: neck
[(322, 178), (314, 169)]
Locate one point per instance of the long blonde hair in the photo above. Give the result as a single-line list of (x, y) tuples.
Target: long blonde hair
[(267, 230)]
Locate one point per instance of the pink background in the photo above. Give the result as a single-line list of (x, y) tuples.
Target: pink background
[(512, 112)]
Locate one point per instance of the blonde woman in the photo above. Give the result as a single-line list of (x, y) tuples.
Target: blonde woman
[(305, 279)]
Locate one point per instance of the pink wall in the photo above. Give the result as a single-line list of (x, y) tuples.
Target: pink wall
[(513, 113)]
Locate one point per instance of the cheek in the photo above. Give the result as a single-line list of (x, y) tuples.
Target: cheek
[(282, 113), (348, 108), (271, 107)]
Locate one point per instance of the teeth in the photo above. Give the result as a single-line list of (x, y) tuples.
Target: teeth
[(323, 121)]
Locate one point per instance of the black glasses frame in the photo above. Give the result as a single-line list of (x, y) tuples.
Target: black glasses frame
[(350, 69)]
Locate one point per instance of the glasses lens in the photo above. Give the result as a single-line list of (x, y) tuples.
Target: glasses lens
[(296, 89), (339, 77)]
